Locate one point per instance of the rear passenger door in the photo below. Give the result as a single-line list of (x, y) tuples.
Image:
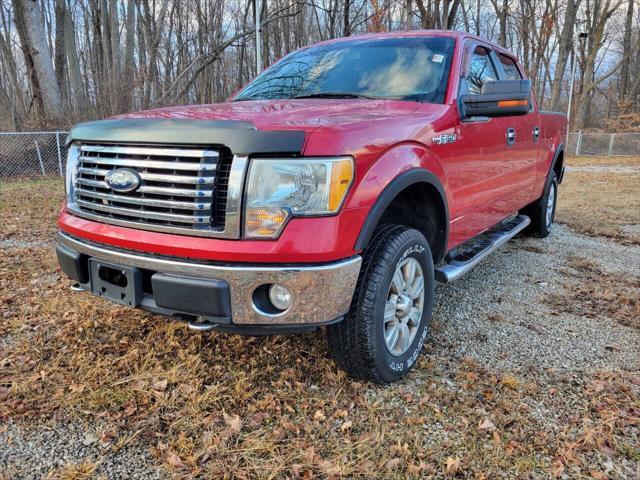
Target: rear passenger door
[(525, 149)]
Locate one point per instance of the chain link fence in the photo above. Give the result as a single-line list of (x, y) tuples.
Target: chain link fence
[(33, 154), (603, 144)]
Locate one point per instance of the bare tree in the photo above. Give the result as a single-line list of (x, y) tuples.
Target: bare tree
[(34, 42), (79, 59)]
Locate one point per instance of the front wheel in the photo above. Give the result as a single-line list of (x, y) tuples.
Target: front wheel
[(384, 332)]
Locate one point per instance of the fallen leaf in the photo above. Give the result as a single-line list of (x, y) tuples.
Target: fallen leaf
[(393, 463), (174, 460), (233, 422), (596, 386), (487, 425), (319, 416), (598, 475), (557, 469), (346, 425), (309, 454), (452, 465), (160, 385), (330, 468), (510, 382)]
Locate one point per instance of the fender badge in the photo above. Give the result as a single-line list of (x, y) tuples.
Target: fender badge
[(444, 138)]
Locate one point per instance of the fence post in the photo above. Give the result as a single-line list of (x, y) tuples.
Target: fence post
[(40, 158), (578, 142), (59, 153), (611, 140)]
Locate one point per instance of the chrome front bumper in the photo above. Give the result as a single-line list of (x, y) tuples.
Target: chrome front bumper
[(321, 293)]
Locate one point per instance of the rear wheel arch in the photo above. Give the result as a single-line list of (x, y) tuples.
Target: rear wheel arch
[(557, 164), (415, 198)]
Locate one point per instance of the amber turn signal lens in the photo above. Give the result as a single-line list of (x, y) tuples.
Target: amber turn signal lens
[(512, 103), (341, 176), (264, 222)]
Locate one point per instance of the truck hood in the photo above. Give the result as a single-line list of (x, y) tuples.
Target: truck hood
[(304, 114)]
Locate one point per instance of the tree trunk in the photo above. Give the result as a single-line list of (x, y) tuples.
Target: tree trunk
[(32, 37), (626, 47), (129, 67), (597, 16), (77, 99), (502, 12), (60, 63), (564, 50), (346, 24), (116, 59)]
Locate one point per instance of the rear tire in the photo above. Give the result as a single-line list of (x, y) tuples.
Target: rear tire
[(384, 332), (543, 211)]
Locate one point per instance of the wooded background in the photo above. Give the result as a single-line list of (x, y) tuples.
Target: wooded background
[(62, 61)]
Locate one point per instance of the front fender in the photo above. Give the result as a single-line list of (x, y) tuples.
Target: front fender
[(394, 171), (391, 164)]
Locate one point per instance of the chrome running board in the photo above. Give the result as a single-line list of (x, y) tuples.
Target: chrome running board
[(479, 248)]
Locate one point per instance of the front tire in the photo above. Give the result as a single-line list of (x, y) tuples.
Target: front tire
[(384, 332)]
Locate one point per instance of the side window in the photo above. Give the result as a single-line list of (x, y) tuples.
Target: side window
[(481, 70), (510, 68)]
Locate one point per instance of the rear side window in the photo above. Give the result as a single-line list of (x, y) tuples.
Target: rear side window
[(481, 70), (510, 68)]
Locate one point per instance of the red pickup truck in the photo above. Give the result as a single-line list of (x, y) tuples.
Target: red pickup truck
[(333, 190)]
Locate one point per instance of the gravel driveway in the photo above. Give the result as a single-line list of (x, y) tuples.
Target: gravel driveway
[(498, 315)]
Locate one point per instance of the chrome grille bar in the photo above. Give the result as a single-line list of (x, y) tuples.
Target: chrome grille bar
[(156, 177), (130, 162), (144, 201), (177, 192), (150, 151), (169, 217)]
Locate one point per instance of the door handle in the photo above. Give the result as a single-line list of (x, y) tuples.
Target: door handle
[(511, 136), (536, 133)]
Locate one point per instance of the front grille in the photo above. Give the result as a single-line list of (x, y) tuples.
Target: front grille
[(181, 188)]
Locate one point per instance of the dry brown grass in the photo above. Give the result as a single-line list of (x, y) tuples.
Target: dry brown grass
[(602, 203), (81, 471), (595, 293), (27, 208), (589, 161), (223, 406)]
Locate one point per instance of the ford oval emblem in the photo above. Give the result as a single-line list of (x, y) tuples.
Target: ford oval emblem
[(123, 180)]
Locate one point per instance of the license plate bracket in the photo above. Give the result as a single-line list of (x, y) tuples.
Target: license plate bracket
[(119, 284)]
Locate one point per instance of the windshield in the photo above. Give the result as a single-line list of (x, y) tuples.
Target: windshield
[(411, 68)]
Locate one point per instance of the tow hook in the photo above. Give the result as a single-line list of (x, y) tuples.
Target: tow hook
[(200, 326)]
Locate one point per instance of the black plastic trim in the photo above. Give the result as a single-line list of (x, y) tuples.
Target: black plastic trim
[(241, 137), (391, 191), (73, 264), (196, 296)]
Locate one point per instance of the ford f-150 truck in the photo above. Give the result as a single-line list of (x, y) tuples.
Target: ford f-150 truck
[(333, 190)]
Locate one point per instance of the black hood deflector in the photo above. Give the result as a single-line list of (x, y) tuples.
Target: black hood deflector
[(241, 137)]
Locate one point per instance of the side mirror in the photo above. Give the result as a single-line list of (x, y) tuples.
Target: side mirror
[(499, 98)]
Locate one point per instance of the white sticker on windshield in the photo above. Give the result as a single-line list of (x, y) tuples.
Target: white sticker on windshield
[(438, 58)]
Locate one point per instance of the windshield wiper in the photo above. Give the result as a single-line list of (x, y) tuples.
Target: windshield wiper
[(335, 95)]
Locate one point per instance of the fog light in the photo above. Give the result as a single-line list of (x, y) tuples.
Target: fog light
[(280, 297)]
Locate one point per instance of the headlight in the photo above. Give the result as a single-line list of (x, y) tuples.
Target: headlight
[(280, 188), (71, 171)]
